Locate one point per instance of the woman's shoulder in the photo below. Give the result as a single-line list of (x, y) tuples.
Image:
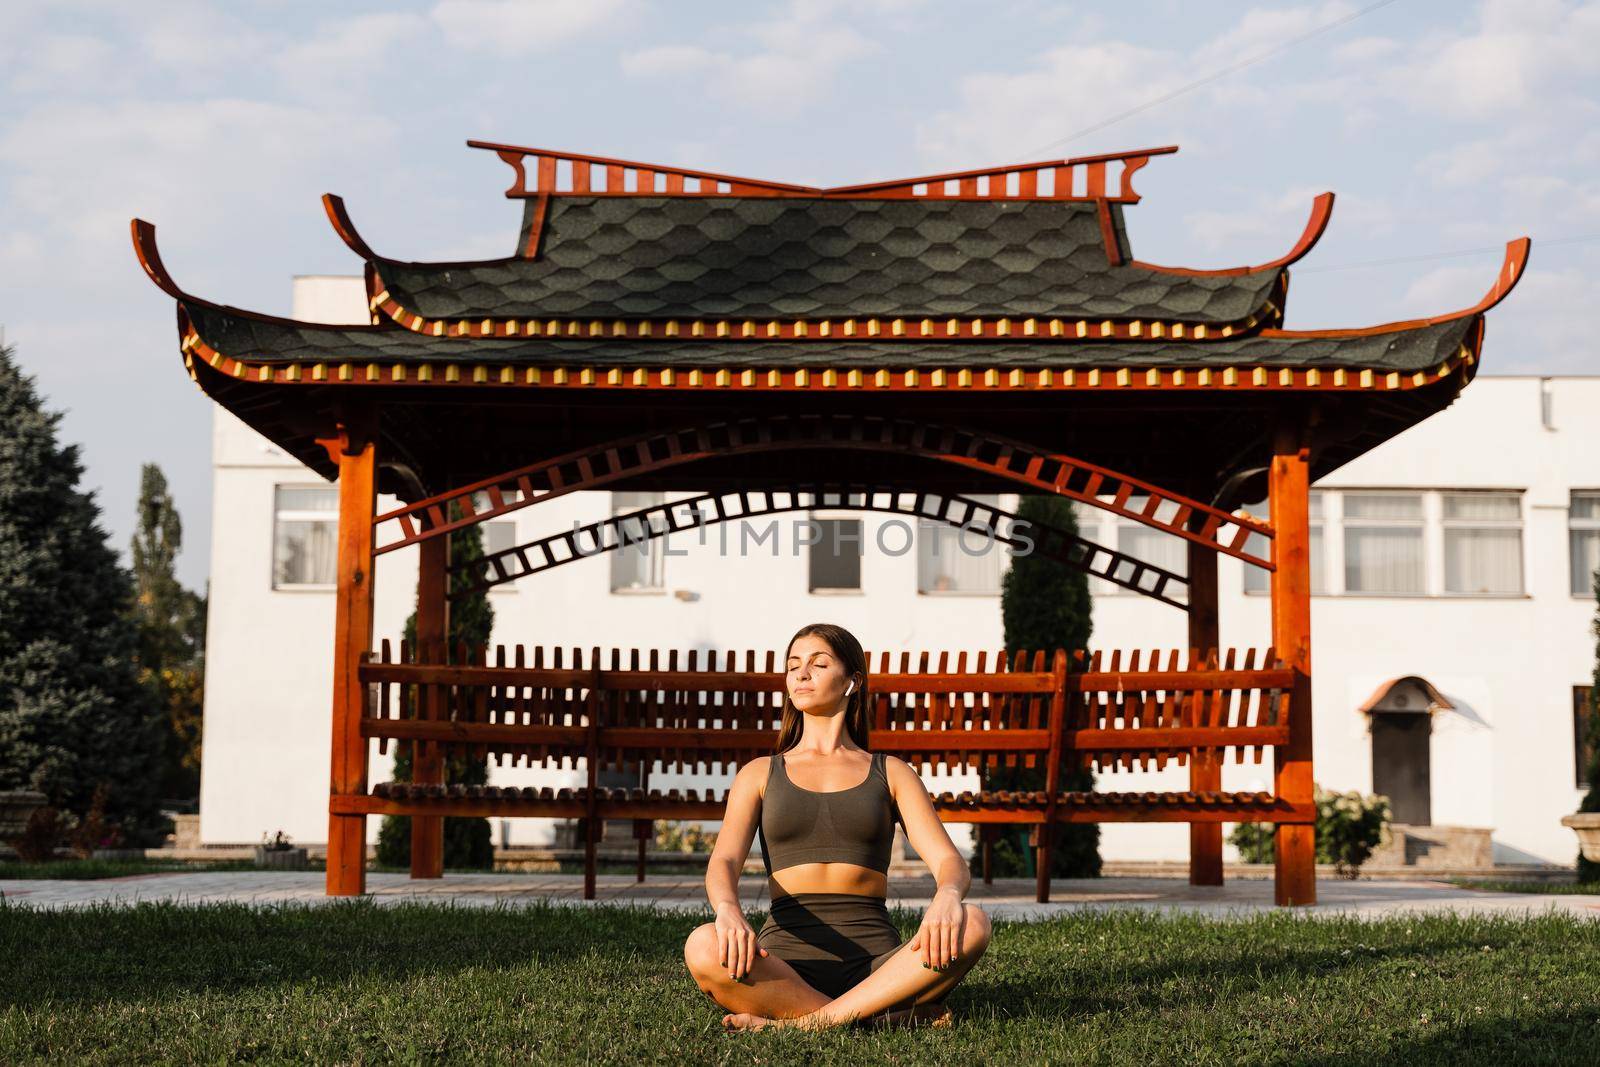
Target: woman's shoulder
[(889, 758), (755, 769), (751, 778)]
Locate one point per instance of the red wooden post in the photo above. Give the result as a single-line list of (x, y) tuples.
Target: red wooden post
[(591, 820), (354, 450), (1052, 774), (1289, 491), (1205, 765), (427, 765)]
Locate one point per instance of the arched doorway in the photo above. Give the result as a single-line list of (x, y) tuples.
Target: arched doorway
[(1400, 720)]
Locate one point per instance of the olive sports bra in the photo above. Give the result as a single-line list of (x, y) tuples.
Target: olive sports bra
[(854, 825)]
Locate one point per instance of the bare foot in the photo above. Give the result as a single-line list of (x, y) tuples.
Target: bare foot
[(746, 1021)]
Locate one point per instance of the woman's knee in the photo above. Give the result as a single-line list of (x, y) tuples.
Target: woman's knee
[(975, 934), (700, 950)]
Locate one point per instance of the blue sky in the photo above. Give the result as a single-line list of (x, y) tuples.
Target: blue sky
[(1443, 126)]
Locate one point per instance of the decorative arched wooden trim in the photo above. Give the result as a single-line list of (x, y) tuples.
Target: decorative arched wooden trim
[(638, 526), (979, 183), (1316, 225), (516, 155), (149, 256), (1512, 267), (339, 218), (978, 450), (1065, 171)]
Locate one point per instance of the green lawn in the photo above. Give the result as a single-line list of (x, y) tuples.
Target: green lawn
[(353, 982)]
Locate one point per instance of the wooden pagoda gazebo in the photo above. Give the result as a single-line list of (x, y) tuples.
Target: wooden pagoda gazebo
[(661, 328)]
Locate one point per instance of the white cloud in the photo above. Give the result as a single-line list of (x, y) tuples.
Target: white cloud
[(1366, 49), (56, 62), (1022, 113), (1545, 326), (513, 27), (342, 55), (793, 64), (1269, 228), (1445, 289), (80, 171), (1270, 220), (1026, 110), (1523, 58), (670, 61), (1262, 29)]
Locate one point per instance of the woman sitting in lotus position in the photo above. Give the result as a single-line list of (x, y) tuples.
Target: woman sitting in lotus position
[(825, 806)]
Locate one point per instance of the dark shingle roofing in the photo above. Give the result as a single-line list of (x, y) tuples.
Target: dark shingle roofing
[(767, 257), (243, 337)]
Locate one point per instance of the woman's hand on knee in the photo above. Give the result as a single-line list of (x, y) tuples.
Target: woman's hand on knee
[(938, 940), (736, 942)]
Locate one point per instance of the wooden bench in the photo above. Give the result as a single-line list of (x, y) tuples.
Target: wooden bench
[(645, 716)]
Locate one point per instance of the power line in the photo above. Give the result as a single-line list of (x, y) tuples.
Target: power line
[(1209, 78), (1496, 249), (1251, 61)]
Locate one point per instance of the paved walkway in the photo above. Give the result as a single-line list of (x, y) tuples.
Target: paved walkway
[(1008, 898)]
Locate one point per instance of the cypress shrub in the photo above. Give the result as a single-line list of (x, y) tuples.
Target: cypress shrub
[(468, 841), (1044, 605)]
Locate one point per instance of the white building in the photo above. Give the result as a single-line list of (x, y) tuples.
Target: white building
[(1458, 552)]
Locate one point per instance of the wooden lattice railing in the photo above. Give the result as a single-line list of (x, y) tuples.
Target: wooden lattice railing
[(635, 713)]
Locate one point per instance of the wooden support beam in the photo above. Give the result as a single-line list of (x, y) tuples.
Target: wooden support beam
[(1205, 764), (353, 448), (1052, 779), (427, 763), (1289, 491), (591, 819)]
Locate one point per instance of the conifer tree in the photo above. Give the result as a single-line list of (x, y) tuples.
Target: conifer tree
[(468, 842), (1045, 605), (73, 716), (171, 622)]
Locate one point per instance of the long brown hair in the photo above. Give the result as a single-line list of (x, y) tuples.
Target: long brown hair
[(848, 652)]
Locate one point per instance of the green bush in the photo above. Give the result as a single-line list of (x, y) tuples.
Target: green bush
[(1349, 827), (675, 836)]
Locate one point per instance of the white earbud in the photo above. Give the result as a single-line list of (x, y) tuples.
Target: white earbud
[(851, 688)]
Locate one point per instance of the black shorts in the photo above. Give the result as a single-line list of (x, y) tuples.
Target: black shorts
[(832, 940)]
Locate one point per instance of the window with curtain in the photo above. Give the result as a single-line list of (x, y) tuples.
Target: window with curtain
[(638, 561), (1583, 537), (305, 535), (1257, 579), (497, 537), (956, 559), (1383, 547), (835, 561), (1482, 542)]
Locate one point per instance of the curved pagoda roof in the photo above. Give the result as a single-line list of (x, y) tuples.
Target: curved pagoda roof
[(630, 287)]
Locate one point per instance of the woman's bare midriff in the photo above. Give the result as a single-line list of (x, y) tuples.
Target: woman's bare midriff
[(828, 878)]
